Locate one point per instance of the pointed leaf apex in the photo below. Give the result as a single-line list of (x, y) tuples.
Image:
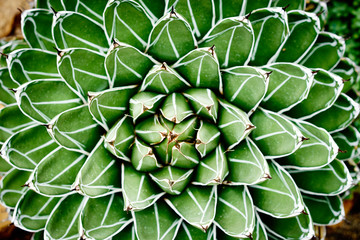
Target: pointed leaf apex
[(248, 15), (267, 176), (163, 66), (59, 52), (267, 75), (26, 185), (250, 236), (53, 10), (345, 80), (304, 212), (286, 7), (3, 54), (115, 43), (173, 13), (304, 138), (315, 72), (20, 10), (212, 50), (249, 127), (13, 90), (319, 13), (342, 151)]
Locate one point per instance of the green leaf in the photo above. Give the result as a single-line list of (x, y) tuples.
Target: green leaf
[(275, 135), (100, 174), (348, 141), (184, 155), (247, 165), (144, 104), (325, 210), (336, 175), (225, 9), (235, 214), (339, 116), (234, 41), (293, 4), (270, 29), (138, 190), (26, 148), (304, 29), (143, 158), (318, 150), (37, 99), (120, 137), (108, 219), (64, 221), (325, 53), (297, 227), (11, 187), (253, 5), (75, 129), (127, 22), (171, 38), (32, 211), (204, 103), (171, 179), (151, 130), (86, 33), (25, 66), (348, 70), (35, 27), (325, 89), (279, 196), (234, 124), (207, 138), (245, 86), (4, 166), (126, 234), (76, 66), (125, 65), (9, 47), (188, 232), (156, 222), (212, 169), (175, 108), (285, 78), (108, 106), (7, 96), (196, 205), (52, 177), (6, 80)]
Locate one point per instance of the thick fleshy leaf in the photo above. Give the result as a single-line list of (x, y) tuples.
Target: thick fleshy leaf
[(26, 65), (156, 222), (253, 5), (64, 221), (52, 177), (144, 104), (171, 38), (297, 227), (76, 66), (237, 203), (225, 9), (108, 218), (126, 234), (201, 68), (75, 129), (37, 99), (348, 70), (204, 103), (175, 108), (304, 29), (339, 116), (9, 47), (293, 4), (271, 28), (348, 141), (318, 150), (247, 165), (7, 96), (326, 52), (163, 79), (11, 187), (279, 196), (188, 232), (100, 175), (275, 135), (139, 192), (127, 22), (184, 155), (26, 148), (289, 84), (171, 179), (234, 41), (6, 80), (325, 89), (86, 33), (143, 158), (325, 210), (155, 10), (196, 205), (110, 105), (120, 137), (207, 138), (33, 210), (234, 124), (212, 169), (125, 65), (151, 130), (336, 175), (4, 166), (244, 86), (35, 27)]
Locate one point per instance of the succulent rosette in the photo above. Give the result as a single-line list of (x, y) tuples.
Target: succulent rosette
[(174, 119)]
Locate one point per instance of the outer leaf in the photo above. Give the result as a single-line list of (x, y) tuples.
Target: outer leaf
[(204, 103), (8, 47), (348, 70), (196, 205), (225, 9), (156, 222), (37, 99), (32, 211), (293, 4), (144, 104), (278, 197), (188, 232), (237, 203), (7, 96), (137, 188), (100, 174), (348, 141), (64, 221), (253, 5), (107, 220), (6, 79), (143, 158), (26, 148), (126, 234), (336, 175)]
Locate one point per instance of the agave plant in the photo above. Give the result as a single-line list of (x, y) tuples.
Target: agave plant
[(174, 119)]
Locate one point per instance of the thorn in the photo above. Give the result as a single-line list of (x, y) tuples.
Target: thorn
[(346, 37), (204, 228), (347, 221), (303, 212), (115, 43), (53, 10), (315, 72), (250, 236), (59, 53), (342, 151), (14, 90), (304, 138), (319, 13), (198, 141), (163, 66), (171, 183), (217, 180), (145, 108), (345, 80), (129, 208), (20, 10), (90, 96), (48, 126), (173, 13), (267, 176), (26, 185), (249, 127), (268, 74), (208, 108), (284, 8), (248, 15), (3, 54), (112, 143), (212, 50)]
